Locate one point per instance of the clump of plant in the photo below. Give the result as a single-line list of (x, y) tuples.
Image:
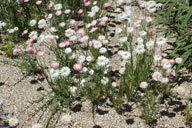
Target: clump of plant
[(177, 16), (8, 47)]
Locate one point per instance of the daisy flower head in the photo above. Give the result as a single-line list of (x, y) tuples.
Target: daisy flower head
[(164, 80), (122, 70), (143, 85), (54, 73), (72, 56), (16, 51), (157, 57), (41, 53), (69, 32), (105, 80), (142, 33), (95, 9), (38, 2), (150, 43), (13, 121), (130, 29), (102, 61), (58, 13), (180, 90), (77, 67), (157, 76), (33, 35), (104, 19), (114, 84), (62, 24), (122, 16), (37, 126), (106, 5), (58, 7), (101, 38), (139, 50), (123, 39), (171, 61), (164, 61), (125, 55), (42, 23), (62, 45), (102, 50), (97, 44), (167, 65), (151, 9), (67, 11), (66, 119), (91, 14), (73, 38), (105, 42), (91, 72), (55, 65), (65, 71), (41, 38), (52, 37), (140, 40), (178, 60), (81, 59), (118, 30), (120, 2), (148, 19), (32, 22), (94, 22), (161, 41), (89, 58), (72, 89)]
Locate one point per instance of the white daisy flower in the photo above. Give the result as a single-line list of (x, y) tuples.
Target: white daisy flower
[(89, 58), (13, 121), (69, 32), (123, 39), (130, 29), (150, 43), (72, 56), (65, 71), (142, 33), (105, 80), (125, 55), (54, 73), (42, 23), (139, 50), (95, 9), (72, 89), (37, 126), (161, 41), (140, 40), (118, 30), (157, 57), (68, 50), (157, 76), (102, 61), (178, 60), (66, 119), (58, 7), (143, 84), (41, 38), (97, 44), (114, 84), (102, 50), (180, 90), (32, 22), (81, 59), (33, 35), (122, 17), (105, 42), (91, 72)]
